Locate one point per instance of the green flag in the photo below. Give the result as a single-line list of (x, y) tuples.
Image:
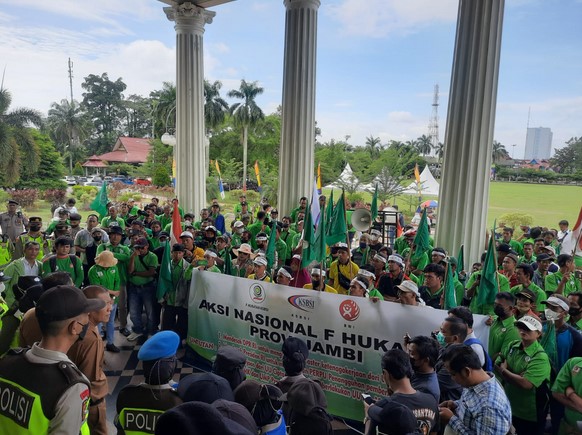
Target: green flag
[(308, 237), (270, 252), (165, 276), (337, 228), (100, 202), (319, 245), (422, 238), (374, 207), (228, 264), (329, 208), (548, 342), (461, 259), (489, 286), (449, 289)]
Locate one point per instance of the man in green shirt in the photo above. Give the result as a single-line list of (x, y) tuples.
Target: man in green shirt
[(175, 299), (472, 288), (528, 254), (564, 281), (112, 217), (503, 330), (64, 262), (524, 276), (507, 239), (525, 370), (567, 390), (166, 217), (302, 207), (141, 289), (122, 254)]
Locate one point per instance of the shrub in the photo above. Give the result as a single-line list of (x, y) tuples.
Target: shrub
[(161, 177), (124, 197), (78, 169), (79, 191), (54, 195), (4, 196), (252, 196), (25, 197), (514, 220)]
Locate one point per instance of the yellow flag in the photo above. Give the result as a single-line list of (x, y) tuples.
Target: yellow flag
[(319, 177), (416, 173), (258, 174)]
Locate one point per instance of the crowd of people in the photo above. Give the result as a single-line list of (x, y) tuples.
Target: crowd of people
[(524, 379)]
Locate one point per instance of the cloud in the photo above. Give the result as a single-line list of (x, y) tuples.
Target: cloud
[(381, 18)]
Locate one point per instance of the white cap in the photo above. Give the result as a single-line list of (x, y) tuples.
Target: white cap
[(260, 260), (366, 273), (341, 245), (187, 234), (531, 323), (380, 258), (360, 283), (283, 272), (210, 253), (409, 287), (552, 300), (296, 257), (261, 239), (317, 271), (375, 232), (238, 224), (211, 227)]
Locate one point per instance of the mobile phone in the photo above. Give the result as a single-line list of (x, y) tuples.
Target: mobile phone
[(202, 263), (368, 399)]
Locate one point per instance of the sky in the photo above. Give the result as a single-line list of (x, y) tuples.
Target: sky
[(377, 65)]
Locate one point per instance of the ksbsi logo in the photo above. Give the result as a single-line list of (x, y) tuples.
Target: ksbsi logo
[(257, 294), (349, 310)]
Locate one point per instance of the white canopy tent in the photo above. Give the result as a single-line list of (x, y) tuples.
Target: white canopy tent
[(429, 186)]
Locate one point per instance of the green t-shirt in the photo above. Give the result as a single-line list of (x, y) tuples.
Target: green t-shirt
[(177, 272), (501, 334), (106, 221), (65, 264), (107, 277), (164, 220), (143, 264), (122, 253), (534, 365), (554, 279), (570, 375), (540, 295)]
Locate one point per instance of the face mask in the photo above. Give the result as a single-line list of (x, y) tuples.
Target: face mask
[(187, 222), (315, 284), (84, 331), (441, 339), (239, 230), (551, 315), (2, 287), (575, 311), (363, 245), (499, 311), (97, 239), (35, 227)]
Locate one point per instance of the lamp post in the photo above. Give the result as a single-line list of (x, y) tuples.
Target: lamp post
[(167, 138)]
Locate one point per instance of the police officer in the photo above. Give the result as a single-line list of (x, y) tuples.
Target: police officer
[(13, 221), (48, 394), (34, 234), (140, 406)]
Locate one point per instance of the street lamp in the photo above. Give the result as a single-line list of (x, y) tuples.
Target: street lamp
[(167, 138)]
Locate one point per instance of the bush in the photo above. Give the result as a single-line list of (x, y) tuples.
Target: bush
[(25, 197), (4, 196), (514, 220), (41, 184), (79, 191), (161, 177), (252, 196), (124, 197), (54, 195), (358, 198)]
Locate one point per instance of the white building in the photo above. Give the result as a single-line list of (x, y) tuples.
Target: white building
[(538, 143)]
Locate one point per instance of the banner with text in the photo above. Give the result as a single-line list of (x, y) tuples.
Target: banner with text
[(346, 336)]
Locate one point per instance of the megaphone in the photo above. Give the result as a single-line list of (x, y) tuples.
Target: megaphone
[(361, 219)]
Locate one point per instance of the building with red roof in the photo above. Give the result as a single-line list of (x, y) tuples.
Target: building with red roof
[(131, 150)]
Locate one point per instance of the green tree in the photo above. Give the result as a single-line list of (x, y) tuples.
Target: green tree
[(49, 174), (391, 171), (423, 145), (215, 108), (161, 176), (69, 128), (373, 146), (569, 159), (138, 116), (163, 106), (103, 101), (245, 115), (20, 154), (499, 152), (160, 155)]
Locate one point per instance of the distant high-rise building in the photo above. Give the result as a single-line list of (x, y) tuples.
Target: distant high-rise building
[(538, 143)]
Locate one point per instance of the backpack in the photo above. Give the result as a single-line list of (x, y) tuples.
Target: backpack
[(317, 422), (488, 366)]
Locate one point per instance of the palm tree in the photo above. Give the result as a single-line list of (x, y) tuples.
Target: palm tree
[(499, 152), (424, 145), (163, 104), (68, 126), (215, 108), (17, 147), (440, 150), (373, 146), (246, 114)]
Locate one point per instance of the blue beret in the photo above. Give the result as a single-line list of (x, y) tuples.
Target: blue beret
[(162, 345)]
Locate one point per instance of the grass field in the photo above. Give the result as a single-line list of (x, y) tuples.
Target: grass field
[(548, 204)]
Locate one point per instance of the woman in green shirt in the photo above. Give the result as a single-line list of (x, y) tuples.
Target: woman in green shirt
[(524, 368)]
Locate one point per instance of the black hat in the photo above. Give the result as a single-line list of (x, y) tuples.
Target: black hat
[(229, 363), (64, 302), (528, 294), (504, 247), (249, 392), (116, 229), (197, 418), (11, 201), (30, 298), (163, 234), (291, 345), (26, 281), (394, 418), (542, 257), (141, 243), (204, 387), (73, 217), (34, 219), (236, 412)]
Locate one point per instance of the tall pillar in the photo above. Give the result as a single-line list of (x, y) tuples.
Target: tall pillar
[(189, 151), (464, 192), (298, 114)]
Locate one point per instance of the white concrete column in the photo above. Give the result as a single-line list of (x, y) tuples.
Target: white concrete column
[(464, 192), (298, 114), (189, 151)]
